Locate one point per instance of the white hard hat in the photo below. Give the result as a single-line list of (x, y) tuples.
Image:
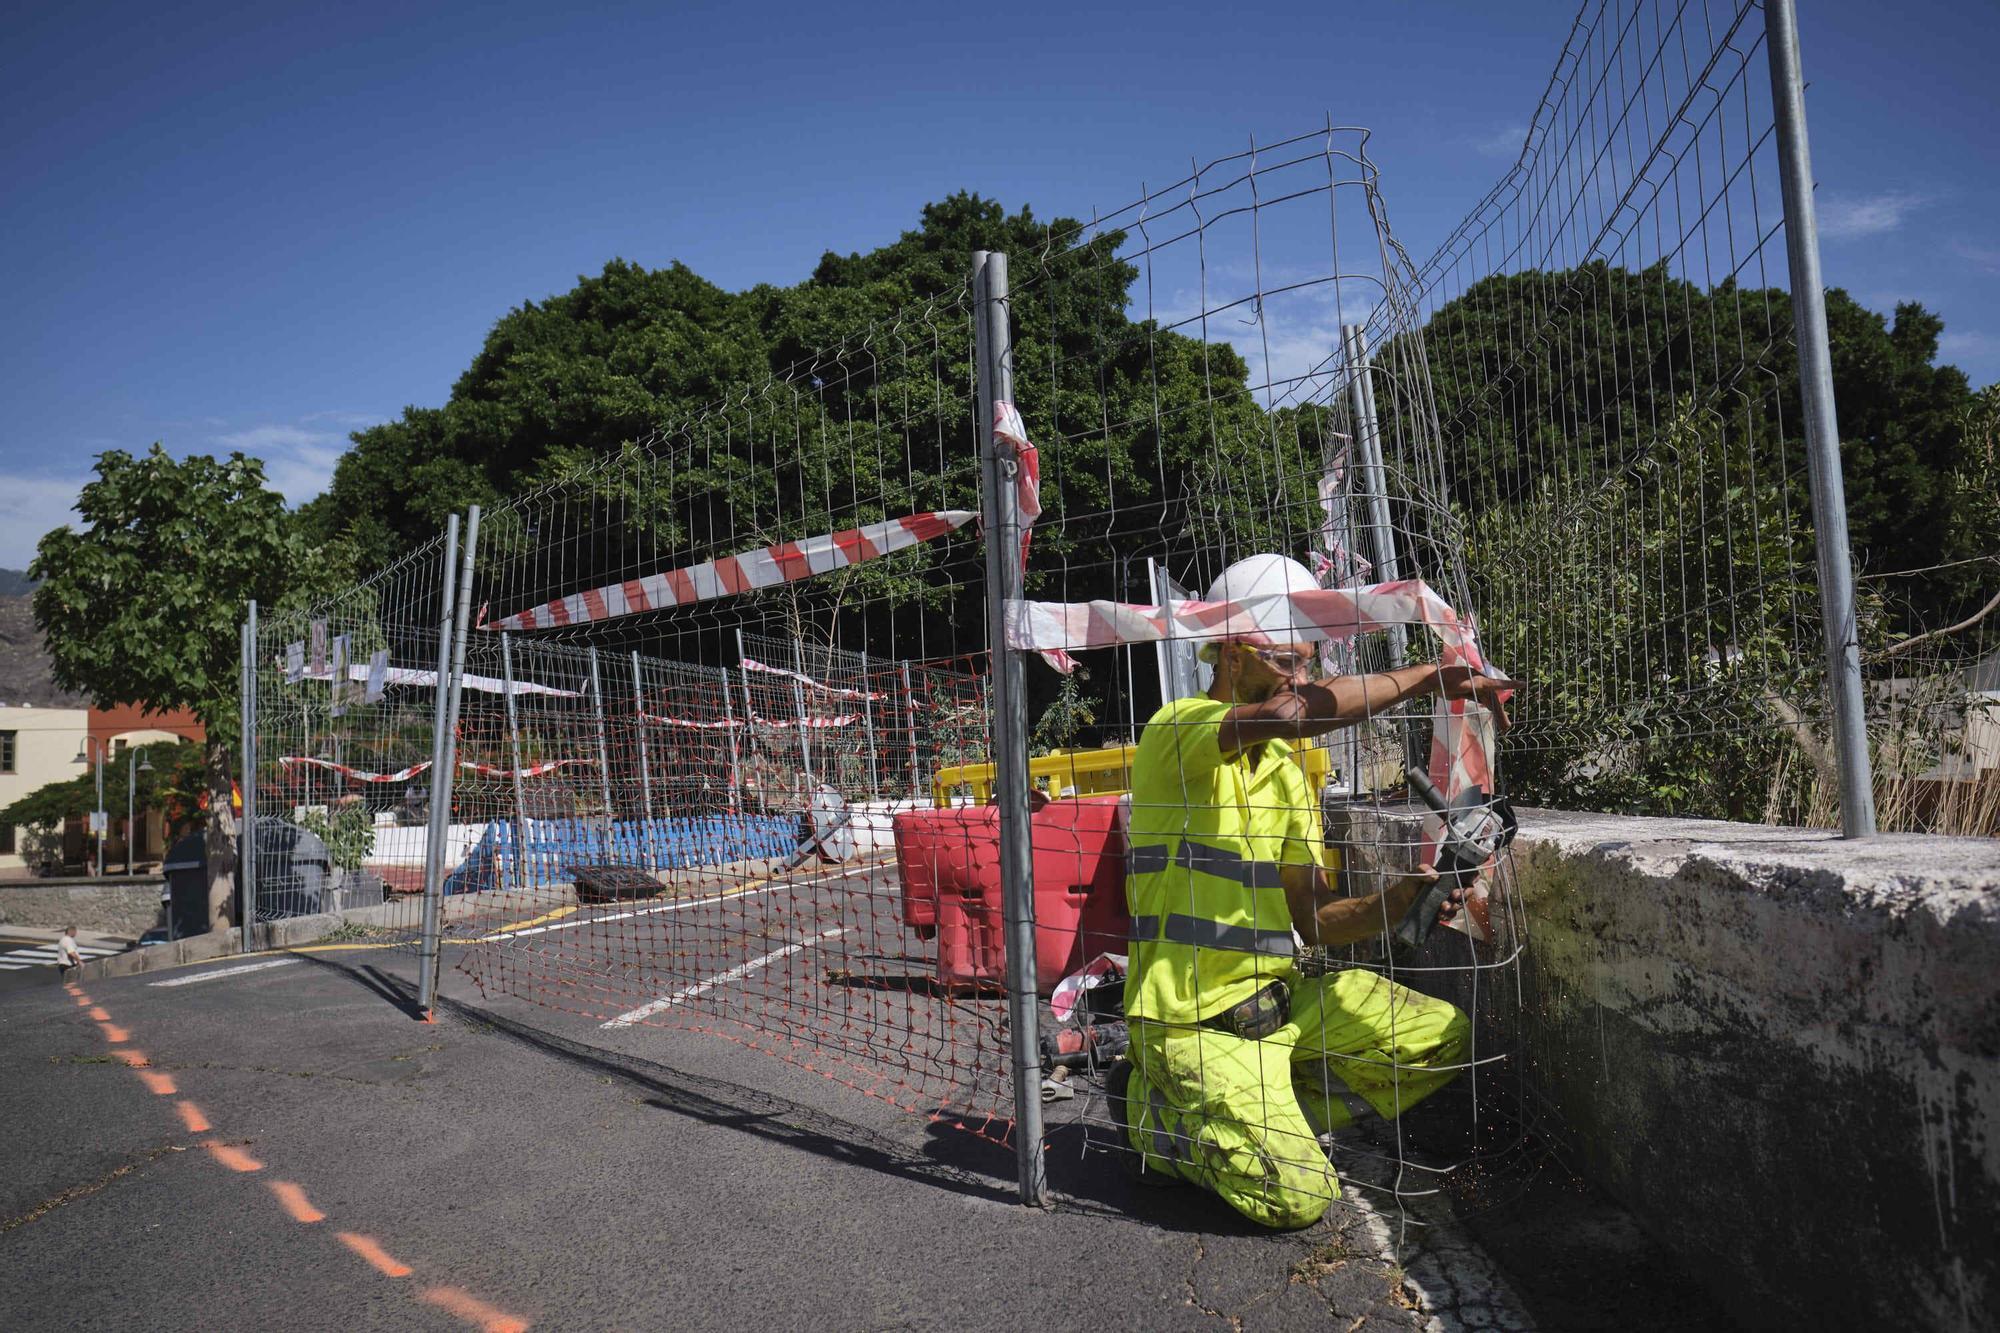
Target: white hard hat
[(1262, 576)]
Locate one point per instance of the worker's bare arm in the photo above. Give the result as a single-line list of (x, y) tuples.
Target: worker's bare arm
[(1326, 919), (1316, 709)]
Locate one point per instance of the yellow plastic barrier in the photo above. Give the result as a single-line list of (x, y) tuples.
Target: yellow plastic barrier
[(1089, 773)]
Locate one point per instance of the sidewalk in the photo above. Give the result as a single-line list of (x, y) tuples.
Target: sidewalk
[(25, 946)]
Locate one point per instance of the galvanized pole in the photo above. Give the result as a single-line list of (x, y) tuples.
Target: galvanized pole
[(645, 769), (131, 792), (799, 704), (1368, 440), (458, 642), (749, 709), (514, 748), (603, 759), (100, 817), (1829, 493), (735, 750), (440, 813), (910, 717), (1004, 583), (868, 727), (246, 840)]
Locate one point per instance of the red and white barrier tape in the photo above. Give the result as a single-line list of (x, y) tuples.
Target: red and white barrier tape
[(404, 775), (756, 719), (355, 774), (752, 664), (766, 567), (1010, 430)]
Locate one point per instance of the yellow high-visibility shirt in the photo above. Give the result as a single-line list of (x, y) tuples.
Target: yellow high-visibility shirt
[(1208, 835)]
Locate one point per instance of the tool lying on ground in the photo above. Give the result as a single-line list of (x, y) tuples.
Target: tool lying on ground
[(1473, 830)]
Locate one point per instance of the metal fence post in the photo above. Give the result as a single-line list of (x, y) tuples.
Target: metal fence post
[(735, 747), (868, 727), (1829, 493), (1004, 583), (645, 768), (1368, 440), (246, 838), (603, 760), (514, 748), (910, 717), (749, 708), (439, 824), (799, 704)]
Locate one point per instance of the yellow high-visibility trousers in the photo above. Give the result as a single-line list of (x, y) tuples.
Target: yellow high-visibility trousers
[(1241, 1117)]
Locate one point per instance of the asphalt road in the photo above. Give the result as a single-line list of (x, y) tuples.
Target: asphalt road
[(287, 1146)]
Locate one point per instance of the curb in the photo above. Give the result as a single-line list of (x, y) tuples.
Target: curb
[(213, 945)]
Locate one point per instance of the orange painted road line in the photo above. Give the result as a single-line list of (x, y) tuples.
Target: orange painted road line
[(101, 1014), (136, 1059), (233, 1158), (115, 1034), (83, 1001), (378, 1258), (295, 1202), (191, 1116), (159, 1084), (472, 1310)]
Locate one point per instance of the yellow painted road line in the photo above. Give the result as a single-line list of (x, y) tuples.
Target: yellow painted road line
[(557, 915)]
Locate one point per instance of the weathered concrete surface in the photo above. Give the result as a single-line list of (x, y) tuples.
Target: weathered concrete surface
[(111, 906), (1781, 1050)]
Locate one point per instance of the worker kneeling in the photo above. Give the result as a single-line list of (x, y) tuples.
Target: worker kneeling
[(1238, 1061)]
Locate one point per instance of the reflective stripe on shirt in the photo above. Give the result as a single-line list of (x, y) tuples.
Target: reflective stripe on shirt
[(1217, 861), (1205, 934)]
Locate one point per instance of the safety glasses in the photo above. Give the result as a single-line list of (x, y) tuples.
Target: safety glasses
[(1287, 663)]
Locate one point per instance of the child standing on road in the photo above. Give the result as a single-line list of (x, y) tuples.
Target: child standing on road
[(68, 957)]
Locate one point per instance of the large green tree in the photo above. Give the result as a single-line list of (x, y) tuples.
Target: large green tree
[(141, 601)]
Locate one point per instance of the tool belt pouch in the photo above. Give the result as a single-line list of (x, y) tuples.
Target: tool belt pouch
[(1257, 1017)]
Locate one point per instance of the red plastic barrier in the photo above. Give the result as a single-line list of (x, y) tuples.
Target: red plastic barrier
[(950, 864)]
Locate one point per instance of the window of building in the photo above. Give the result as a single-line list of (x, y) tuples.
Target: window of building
[(6, 840), (7, 739)]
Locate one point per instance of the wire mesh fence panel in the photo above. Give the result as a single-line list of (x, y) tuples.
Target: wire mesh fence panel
[(757, 638), (1613, 361), (347, 696)]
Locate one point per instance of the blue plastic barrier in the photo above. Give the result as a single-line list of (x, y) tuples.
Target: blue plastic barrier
[(502, 860)]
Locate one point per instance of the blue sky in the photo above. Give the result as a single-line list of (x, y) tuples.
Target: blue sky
[(248, 227)]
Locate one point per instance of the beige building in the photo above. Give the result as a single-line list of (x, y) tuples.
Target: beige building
[(37, 746)]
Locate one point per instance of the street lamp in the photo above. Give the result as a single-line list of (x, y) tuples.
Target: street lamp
[(132, 772), (96, 816)]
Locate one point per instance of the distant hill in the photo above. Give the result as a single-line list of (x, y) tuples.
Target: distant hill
[(15, 583), (25, 670)]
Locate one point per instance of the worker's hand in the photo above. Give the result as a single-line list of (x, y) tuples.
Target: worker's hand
[(1426, 876), (1490, 692)]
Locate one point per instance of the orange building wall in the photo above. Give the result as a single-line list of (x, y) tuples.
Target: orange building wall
[(108, 722)]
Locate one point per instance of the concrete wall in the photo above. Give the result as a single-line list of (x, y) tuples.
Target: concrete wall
[(1782, 1052), (112, 906)]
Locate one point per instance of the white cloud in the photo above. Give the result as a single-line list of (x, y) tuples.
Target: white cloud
[(29, 507), (298, 464), (1985, 258), (1970, 343), (1842, 218), (298, 460), (1503, 142)]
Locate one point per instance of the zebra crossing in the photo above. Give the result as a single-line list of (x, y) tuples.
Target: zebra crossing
[(45, 955)]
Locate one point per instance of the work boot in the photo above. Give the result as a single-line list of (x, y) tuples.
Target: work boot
[(1131, 1162)]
